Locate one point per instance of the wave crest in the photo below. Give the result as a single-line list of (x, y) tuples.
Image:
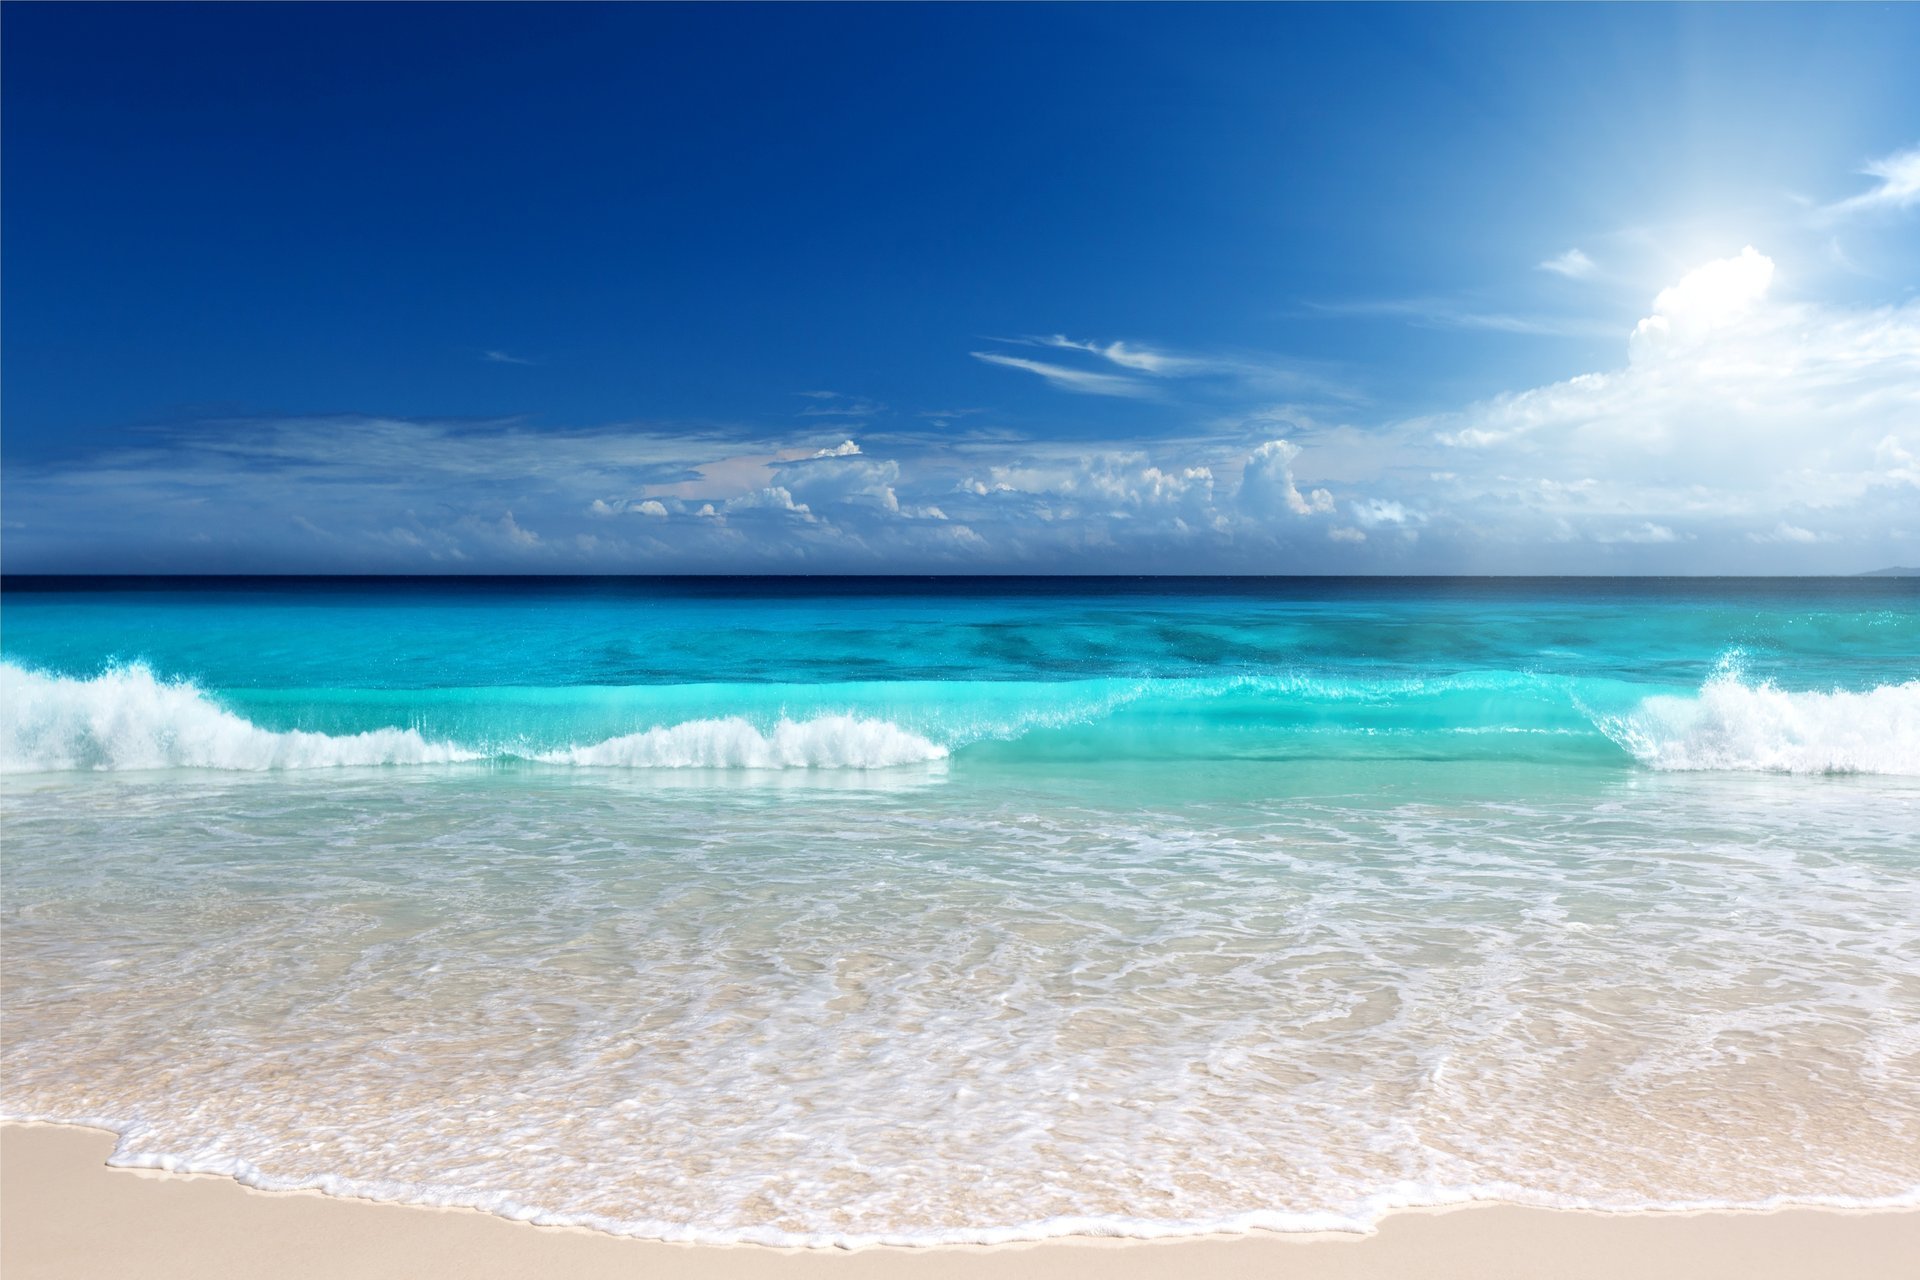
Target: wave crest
[(823, 742), (1733, 725), (126, 718)]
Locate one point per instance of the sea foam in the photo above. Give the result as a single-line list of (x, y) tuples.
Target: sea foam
[(1735, 725), (127, 718), (823, 742)]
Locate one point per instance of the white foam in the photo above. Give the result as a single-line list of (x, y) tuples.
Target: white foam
[(823, 742), (981, 1013), (1362, 1216), (1733, 725), (126, 718)]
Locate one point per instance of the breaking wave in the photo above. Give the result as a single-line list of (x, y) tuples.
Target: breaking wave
[(1733, 725), (127, 718), (824, 742)]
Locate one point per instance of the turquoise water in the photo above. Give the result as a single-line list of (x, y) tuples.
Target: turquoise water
[(841, 911), (1069, 671)]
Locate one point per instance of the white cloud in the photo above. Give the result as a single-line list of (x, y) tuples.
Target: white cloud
[(1116, 485), (510, 530), (1784, 532), (1138, 358), (1740, 432), (1374, 512), (1267, 486), (837, 477), (1897, 465), (1077, 380), (1213, 376), (772, 498), (1707, 298), (604, 508), (501, 357), (1572, 264), (1899, 187), (1445, 313), (1645, 533), (1732, 406)]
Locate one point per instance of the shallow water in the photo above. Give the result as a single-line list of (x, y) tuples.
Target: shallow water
[(1039, 915)]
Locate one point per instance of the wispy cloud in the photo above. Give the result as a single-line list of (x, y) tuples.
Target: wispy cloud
[(1572, 264), (1441, 313), (1133, 356), (1076, 380), (1899, 187), (947, 417), (1154, 371), (830, 404), (1736, 433), (501, 357)]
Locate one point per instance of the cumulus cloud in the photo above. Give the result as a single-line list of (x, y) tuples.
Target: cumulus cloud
[(1897, 466), (772, 498), (1113, 495), (1707, 298), (1374, 512), (836, 477), (1732, 408), (607, 508), (1267, 486), (1736, 431)]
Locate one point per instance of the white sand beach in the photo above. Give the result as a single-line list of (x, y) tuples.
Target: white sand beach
[(64, 1215)]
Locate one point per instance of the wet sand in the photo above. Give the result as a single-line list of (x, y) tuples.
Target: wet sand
[(64, 1213)]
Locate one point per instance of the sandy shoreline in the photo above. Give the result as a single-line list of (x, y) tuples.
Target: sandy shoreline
[(64, 1213)]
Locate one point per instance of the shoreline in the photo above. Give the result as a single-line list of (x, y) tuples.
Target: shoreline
[(67, 1214)]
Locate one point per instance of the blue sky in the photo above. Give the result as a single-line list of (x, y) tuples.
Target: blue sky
[(1033, 289)]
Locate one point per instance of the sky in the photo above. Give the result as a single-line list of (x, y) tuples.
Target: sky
[(959, 289)]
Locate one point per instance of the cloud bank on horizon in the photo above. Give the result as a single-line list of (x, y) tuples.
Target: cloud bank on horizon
[(1738, 424), (1752, 408)]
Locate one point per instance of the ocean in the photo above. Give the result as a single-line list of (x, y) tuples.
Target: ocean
[(842, 911)]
